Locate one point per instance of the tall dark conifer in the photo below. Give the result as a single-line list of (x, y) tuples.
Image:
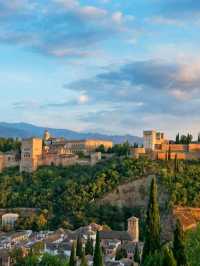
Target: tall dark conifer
[(89, 250), (72, 260), (179, 246), (84, 261), (152, 232), (137, 255), (176, 166), (79, 248), (98, 257), (199, 138), (177, 139), (169, 153), (168, 257)]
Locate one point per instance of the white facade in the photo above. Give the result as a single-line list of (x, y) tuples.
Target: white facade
[(9, 219)]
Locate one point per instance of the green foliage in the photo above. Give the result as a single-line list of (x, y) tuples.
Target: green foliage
[(79, 248), (9, 144), (168, 257), (183, 183), (98, 257), (177, 141), (198, 139), (183, 139), (120, 253), (34, 259), (179, 248), (164, 257), (89, 250), (49, 260), (101, 149), (68, 193), (17, 256), (120, 149), (84, 261), (137, 255), (37, 222), (193, 246), (155, 259), (72, 260), (153, 229)]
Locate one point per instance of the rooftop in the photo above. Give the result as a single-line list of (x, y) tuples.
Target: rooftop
[(120, 235), (188, 217)]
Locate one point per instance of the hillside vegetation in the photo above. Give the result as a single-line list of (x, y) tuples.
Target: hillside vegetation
[(67, 196), (9, 144)]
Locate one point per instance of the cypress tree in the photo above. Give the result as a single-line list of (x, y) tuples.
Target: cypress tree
[(152, 232), (79, 248), (198, 137), (84, 261), (120, 253), (98, 257), (168, 257), (179, 246), (177, 139), (155, 259), (176, 165), (137, 255), (72, 260), (89, 250), (169, 153)]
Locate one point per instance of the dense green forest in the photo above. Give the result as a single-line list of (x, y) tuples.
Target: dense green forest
[(66, 196), (183, 183), (69, 193), (9, 144)]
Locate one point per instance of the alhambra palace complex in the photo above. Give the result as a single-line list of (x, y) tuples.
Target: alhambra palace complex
[(48, 151), (157, 147)]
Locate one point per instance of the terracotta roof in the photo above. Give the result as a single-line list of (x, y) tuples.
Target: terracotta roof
[(188, 217)]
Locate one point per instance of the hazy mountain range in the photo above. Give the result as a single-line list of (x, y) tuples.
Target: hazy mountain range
[(25, 130)]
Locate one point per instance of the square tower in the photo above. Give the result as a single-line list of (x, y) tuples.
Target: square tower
[(31, 154), (153, 139), (133, 228)]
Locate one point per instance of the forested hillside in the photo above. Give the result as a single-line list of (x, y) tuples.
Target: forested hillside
[(9, 144), (68, 196)]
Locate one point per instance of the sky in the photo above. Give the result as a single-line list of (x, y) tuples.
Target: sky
[(107, 66)]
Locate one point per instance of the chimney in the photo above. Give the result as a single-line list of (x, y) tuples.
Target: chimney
[(133, 228)]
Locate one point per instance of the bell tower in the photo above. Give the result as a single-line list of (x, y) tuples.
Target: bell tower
[(133, 228), (47, 135)]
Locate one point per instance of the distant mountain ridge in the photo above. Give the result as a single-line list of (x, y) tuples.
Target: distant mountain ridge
[(25, 130)]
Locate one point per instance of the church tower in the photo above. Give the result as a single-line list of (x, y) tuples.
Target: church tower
[(46, 136), (133, 228)]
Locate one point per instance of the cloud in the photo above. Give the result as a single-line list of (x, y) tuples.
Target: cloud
[(83, 99), (179, 9), (166, 21), (25, 105), (146, 87), (138, 94), (58, 28), (30, 105), (117, 17), (190, 72)]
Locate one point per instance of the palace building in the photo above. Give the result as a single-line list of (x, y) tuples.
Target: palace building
[(49, 151), (76, 146), (157, 147)]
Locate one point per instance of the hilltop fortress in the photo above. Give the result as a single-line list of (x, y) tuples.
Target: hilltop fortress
[(48, 151), (157, 147)]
